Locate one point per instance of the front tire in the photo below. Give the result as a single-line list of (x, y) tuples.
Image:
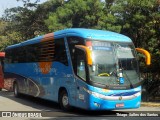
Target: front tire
[(64, 101), (16, 90)]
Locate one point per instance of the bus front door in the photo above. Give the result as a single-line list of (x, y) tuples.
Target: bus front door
[(80, 69)]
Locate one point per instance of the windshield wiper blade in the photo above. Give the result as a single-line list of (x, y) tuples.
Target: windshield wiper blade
[(131, 85)]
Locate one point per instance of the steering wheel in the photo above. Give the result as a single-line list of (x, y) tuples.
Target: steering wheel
[(104, 74)]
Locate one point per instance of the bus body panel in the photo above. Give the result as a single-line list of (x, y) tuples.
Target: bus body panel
[(116, 99), (31, 81), (87, 99)]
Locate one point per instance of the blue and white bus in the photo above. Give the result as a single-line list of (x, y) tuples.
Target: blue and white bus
[(84, 68)]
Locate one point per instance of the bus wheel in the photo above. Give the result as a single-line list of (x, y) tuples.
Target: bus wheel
[(15, 90), (64, 101)]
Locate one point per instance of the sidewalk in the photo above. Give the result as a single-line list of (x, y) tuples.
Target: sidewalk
[(150, 104)]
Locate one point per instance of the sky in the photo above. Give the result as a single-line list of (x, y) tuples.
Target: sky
[(4, 4)]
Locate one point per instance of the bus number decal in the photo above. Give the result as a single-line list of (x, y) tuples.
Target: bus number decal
[(81, 96)]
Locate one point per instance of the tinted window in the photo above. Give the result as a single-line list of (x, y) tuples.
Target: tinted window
[(40, 52), (72, 41), (60, 51), (46, 51), (32, 53), (80, 64)]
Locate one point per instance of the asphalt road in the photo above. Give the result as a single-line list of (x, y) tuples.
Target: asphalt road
[(32, 108)]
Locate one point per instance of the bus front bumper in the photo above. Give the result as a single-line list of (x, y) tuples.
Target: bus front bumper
[(101, 104)]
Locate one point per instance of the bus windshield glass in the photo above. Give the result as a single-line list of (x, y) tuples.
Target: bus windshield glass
[(114, 64)]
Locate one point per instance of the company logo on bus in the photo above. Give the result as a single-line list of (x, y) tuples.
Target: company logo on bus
[(120, 98)]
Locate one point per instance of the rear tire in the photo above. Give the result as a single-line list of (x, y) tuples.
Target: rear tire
[(64, 101), (16, 90)]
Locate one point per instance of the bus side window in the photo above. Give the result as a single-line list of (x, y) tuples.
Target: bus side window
[(8, 56), (80, 64), (72, 41), (60, 51)]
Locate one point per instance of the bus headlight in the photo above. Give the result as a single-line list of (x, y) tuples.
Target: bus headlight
[(98, 95), (95, 94)]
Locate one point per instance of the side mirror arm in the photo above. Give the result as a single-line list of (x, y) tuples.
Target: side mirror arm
[(146, 53)]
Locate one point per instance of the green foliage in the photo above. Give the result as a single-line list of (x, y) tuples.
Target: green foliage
[(136, 18), (75, 13), (8, 37)]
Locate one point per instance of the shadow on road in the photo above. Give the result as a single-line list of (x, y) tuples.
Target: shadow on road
[(54, 108), (36, 103)]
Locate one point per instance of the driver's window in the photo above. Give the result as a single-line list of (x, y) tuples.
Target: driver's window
[(81, 69)]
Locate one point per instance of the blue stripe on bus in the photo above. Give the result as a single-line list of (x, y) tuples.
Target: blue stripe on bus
[(125, 93)]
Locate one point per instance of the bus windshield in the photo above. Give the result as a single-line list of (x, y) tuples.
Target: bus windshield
[(113, 61)]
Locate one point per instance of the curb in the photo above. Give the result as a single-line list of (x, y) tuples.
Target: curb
[(150, 104)]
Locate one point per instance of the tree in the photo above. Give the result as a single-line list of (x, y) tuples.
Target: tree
[(42, 12), (80, 13), (21, 19), (136, 18), (7, 37), (140, 21)]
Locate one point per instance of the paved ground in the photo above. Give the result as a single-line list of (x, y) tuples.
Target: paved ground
[(29, 108)]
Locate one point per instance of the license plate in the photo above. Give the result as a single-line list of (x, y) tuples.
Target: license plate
[(119, 105)]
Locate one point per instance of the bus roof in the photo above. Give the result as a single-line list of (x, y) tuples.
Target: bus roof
[(95, 34), (91, 34)]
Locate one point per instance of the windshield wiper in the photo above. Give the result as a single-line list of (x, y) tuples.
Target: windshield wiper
[(131, 85), (114, 72)]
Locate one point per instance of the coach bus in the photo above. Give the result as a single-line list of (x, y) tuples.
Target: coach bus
[(2, 55), (84, 68)]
